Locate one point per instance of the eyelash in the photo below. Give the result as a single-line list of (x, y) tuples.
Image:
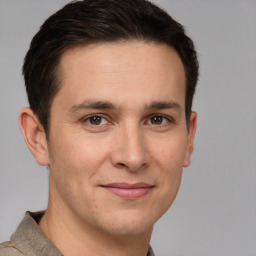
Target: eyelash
[(87, 119), (168, 120)]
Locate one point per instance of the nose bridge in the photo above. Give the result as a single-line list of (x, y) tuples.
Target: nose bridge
[(130, 151)]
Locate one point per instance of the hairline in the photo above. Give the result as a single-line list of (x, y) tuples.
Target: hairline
[(58, 73)]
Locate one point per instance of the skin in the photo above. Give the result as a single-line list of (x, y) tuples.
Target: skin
[(139, 135)]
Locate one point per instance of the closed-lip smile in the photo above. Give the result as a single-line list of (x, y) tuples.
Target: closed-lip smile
[(129, 191)]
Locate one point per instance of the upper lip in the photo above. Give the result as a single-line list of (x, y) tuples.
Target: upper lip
[(125, 185)]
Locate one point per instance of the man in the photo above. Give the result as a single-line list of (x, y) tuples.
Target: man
[(110, 85)]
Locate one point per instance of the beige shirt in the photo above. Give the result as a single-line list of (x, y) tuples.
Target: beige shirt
[(29, 240)]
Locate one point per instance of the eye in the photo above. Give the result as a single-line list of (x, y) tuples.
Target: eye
[(95, 120), (158, 120)]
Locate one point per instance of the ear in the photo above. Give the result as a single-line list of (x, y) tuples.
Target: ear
[(191, 135), (34, 135)]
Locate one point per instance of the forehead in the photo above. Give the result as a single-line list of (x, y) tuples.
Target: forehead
[(130, 70)]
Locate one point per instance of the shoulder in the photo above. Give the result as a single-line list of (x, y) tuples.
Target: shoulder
[(8, 249)]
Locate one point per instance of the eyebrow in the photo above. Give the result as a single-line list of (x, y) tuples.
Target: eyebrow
[(158, 105), (92, 105), (103, 105)]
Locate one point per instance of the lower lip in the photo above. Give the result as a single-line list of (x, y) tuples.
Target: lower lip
[(129, 193)]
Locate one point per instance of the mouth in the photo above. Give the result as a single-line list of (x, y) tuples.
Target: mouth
[(129, 191)]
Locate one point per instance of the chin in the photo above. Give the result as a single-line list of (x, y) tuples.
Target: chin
[(128, 223), (135, 229)]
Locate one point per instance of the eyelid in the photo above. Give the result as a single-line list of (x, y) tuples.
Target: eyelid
[(170, 119), (103, 116)]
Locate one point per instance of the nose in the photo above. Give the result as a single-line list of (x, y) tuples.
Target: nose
[(129, 150)]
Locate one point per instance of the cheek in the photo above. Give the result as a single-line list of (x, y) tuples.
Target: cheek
[(169, 156), (75, 159), (170, 152), (171, 167), (73, 165)]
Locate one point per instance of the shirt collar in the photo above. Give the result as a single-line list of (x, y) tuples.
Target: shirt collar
[(30, 240)]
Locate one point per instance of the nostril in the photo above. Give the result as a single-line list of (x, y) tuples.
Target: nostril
[(130, 167), (144, 165), (122, 165)]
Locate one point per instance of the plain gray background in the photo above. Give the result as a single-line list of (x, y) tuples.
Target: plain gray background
[(215, 211)]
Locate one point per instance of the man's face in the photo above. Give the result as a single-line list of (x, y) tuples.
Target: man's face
[(118, 136)]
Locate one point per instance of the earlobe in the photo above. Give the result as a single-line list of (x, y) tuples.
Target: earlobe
[(191, 135), (34, 135)]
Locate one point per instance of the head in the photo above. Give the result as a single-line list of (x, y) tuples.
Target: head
[(110, 85), (82, 23)]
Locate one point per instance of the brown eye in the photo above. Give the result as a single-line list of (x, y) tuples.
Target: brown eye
[(157, 120), (95, 120)]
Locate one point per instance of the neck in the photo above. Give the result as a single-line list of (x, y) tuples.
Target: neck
[(72, 236)]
